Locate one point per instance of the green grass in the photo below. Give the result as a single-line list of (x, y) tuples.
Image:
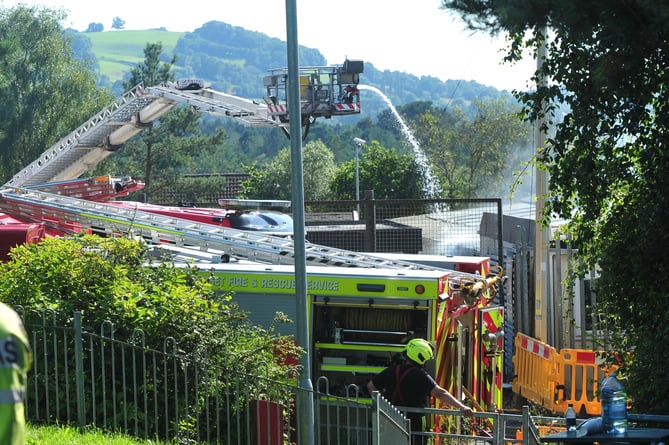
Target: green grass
[(119, 51), (59, 435)]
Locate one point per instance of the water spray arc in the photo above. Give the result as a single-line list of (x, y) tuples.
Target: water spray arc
[(431, 187)]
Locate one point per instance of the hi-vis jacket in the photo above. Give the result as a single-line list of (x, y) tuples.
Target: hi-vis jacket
[(15, 360)]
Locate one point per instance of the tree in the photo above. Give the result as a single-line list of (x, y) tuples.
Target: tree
[(153, 70), (95, 27), (470, 147), (274, 181), (390, 175), (168, 149), (117, 23), (607, 159), (45, 93)]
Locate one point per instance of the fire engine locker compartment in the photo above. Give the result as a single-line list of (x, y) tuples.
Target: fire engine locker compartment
[(354, 341), (359, 318)]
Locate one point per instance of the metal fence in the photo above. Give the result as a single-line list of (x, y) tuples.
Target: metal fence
[(93, 379), (409, 226), (390, 426), (412, 226), (85, 378)]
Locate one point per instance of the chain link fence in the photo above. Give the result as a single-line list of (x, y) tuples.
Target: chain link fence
[(448, 227), (441, 227)]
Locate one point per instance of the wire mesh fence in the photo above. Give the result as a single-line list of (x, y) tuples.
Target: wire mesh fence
[(427, 226), (402, 226)]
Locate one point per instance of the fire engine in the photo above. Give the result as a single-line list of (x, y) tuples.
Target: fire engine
[(360, 319)]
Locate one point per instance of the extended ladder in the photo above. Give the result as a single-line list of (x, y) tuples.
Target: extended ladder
[(107, 131), (248, 112), (72, 215), (93, 141)]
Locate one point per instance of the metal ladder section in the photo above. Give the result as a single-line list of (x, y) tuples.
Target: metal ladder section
[(93, 141), (248, 112), (72, 215), (108, 130)]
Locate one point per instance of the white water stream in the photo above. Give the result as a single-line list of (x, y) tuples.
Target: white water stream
[(431, 188)]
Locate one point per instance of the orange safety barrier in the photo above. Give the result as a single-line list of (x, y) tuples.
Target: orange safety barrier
[(556, 379), (544, 430), (579, 371)]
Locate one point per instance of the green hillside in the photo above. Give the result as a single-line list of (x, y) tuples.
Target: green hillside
[(235, 60), (119, 51)]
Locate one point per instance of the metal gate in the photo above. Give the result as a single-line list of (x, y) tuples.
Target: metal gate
[(389, 426)]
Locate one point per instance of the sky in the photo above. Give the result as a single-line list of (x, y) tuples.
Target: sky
[(414, 37)]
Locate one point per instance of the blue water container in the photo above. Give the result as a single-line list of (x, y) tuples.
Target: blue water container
[(614, 406)]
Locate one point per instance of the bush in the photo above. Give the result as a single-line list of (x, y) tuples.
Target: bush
[(109, 282)]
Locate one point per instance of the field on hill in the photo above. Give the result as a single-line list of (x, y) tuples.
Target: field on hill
[(119, 51)]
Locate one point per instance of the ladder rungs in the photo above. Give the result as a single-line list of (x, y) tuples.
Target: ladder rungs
[(69, 215)]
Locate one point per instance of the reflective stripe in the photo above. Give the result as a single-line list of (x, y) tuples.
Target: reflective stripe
[(11, 396)]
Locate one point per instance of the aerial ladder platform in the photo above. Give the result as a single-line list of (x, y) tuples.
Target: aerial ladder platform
[(325, 91), (49, 190)]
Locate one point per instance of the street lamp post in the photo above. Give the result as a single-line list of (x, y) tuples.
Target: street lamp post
[(358, 146)]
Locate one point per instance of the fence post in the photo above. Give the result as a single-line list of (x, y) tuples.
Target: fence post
[(79, 365), (525, 428), (370, 220)]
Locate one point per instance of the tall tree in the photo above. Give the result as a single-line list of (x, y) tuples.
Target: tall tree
[(389, 174), (152, 70), (45, 93), (608, 157), (168, 148), (470, 146), (118, 23), (274, 180), (95, 27)]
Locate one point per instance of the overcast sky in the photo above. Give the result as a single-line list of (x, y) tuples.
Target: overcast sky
[(415, 36)]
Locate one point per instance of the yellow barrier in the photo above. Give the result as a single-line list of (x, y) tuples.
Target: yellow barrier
[(579, 372), (555, 379), (535, 372), (544, 430)]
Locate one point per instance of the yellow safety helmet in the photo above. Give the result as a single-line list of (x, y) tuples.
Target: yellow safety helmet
[(419, 350)]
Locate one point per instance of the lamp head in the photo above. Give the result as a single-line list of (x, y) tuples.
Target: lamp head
[(359, 141)]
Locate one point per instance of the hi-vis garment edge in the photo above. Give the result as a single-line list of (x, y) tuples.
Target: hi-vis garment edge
[(15, 360)]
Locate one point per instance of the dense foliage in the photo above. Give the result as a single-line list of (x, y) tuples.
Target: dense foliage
[(273, 181), (44, 92), (389, 174), (471, 147), (607, 157), (108, 281), (234, 59)]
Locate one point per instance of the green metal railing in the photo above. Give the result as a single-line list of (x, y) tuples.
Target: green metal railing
[(93, 379)]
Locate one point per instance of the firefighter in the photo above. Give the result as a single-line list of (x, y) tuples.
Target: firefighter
[(350, 93), (409, 384), (15, 360)]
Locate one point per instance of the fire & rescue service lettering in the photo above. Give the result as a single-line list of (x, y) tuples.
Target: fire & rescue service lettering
[(241, 282)]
